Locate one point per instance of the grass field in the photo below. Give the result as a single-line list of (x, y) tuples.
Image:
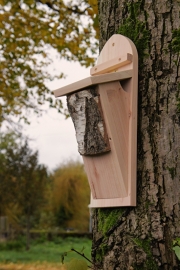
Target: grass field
[(42, 255), (32, 266)]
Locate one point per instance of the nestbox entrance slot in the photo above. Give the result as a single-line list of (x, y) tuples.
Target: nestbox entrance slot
[(126, 84)]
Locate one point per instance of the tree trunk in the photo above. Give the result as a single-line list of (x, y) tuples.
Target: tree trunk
[(27, 232), (142, 237)]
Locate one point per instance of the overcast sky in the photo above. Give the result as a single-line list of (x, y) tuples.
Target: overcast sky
[(51, 134)]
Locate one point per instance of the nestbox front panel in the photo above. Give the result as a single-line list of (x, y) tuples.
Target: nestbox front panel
[(108, 173)]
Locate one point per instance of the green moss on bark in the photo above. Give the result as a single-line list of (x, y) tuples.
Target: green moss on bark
[(102, 250), (136, 30), (175, 44), (145, 245), (108, 217), (172, 172)]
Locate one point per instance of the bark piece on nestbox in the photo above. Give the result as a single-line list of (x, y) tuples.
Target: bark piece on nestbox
[(86, 113)]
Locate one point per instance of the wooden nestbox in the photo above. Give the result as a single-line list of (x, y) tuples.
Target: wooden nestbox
[(103, 108)]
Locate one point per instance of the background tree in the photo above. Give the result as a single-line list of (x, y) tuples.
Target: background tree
[(29, 31), (142, 237), (71, 196), (7, 184), (31, 179), (45, 219), (23, 180)]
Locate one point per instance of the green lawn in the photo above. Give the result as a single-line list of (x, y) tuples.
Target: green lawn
[(47, 251)]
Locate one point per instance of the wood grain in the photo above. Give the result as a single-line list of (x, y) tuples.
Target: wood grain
[(113, 177), (93, 80), (108, 174), (112, 65)]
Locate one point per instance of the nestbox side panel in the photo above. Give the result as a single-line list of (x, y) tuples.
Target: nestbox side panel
[(104, 176)]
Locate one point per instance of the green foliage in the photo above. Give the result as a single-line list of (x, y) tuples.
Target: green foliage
[(12, 245), (177, 251), (29, 31), (71, 196), (29, 177), (176, 247), (7, 185), (23, 180), (108, 218), (136, 30)]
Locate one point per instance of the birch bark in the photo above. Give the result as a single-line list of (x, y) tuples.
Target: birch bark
[(86, 113)]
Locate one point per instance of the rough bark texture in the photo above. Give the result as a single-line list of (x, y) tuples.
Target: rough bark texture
[(86, 113), (142, 237)]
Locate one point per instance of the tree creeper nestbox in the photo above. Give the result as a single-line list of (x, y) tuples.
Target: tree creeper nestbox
[(103, 108)]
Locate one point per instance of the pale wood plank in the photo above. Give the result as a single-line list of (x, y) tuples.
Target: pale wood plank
[(115, 102), (111, 65), (116, 44), (112, 202), (108, 174), (93, 80)]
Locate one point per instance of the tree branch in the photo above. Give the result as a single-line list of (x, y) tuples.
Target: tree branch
[(81, 254)]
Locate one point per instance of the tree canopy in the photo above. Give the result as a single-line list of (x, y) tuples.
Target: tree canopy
[(71, 196), (29, 29), (23, 180), (7, 184)]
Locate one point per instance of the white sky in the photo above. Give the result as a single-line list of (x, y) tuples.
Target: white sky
[(52, 135)]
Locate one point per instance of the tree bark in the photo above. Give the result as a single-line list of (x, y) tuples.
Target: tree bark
[(142, 237)]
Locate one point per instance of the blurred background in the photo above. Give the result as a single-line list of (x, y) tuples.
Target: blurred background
[(44, 192)]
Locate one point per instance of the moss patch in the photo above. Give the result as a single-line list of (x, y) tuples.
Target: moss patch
[(175, 44), (101, 252), (108, 218), (172, 172), (145, 245), (136, 30)]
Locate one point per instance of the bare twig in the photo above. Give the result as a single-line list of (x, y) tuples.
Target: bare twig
[(81, 254)]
